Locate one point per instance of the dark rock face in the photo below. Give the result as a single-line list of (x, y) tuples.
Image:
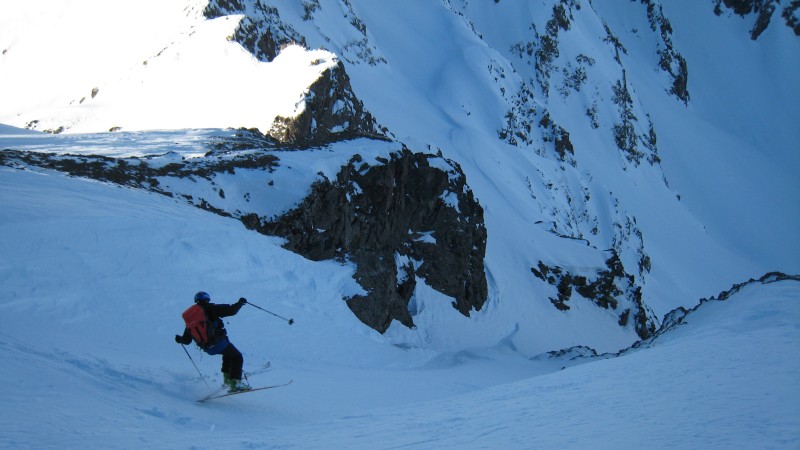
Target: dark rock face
[(261, 31), (410, 217), (332, 109), (762, 10), (670, 60), (608, 288)]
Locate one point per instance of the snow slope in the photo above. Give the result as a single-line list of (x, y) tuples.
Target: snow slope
[(739, 125), (141, 66), (730, 155), (727, 154), (95, 276)]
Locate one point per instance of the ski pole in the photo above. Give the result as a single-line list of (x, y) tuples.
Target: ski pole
[(195, 366), (291, 321)]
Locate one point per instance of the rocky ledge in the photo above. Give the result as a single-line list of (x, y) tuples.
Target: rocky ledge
[(410, 217)]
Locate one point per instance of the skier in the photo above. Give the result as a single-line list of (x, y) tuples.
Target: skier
[(217, 339)]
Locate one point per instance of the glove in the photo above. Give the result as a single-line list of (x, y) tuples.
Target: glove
[(242, 301), (179, 339)]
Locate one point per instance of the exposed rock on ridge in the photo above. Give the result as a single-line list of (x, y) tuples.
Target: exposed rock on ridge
[(332, 109), (261, 30), (410, 217), (763, 11), (331, 106), (608, 288)]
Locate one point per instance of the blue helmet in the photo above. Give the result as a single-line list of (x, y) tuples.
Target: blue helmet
[(202, 297)]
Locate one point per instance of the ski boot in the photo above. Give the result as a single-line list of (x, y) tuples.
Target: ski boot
[(237, 385)]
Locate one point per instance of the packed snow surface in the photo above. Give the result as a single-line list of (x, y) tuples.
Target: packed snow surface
[(95, 278)]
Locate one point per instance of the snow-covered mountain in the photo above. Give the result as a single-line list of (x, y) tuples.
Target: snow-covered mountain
[(611, 157), (434, 190)]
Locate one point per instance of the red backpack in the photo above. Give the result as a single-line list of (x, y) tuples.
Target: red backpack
[(203, 330)]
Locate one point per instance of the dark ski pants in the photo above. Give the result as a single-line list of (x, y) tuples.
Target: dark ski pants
[(232, 362)]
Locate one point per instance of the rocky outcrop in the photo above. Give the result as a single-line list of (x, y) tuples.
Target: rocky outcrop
[(527, 123), (410, 217), (331, 110), (670, 61), (762, 11), (550, 54), (144, 173), (610, 288), (261, 30)]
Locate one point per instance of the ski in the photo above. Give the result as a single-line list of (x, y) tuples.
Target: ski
[(260, 370), (228, 394)]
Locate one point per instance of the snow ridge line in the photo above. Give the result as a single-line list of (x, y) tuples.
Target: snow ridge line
[(678, 316), (673, 319)]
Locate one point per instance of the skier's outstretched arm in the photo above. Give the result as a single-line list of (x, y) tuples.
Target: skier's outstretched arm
[(229, 310)]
